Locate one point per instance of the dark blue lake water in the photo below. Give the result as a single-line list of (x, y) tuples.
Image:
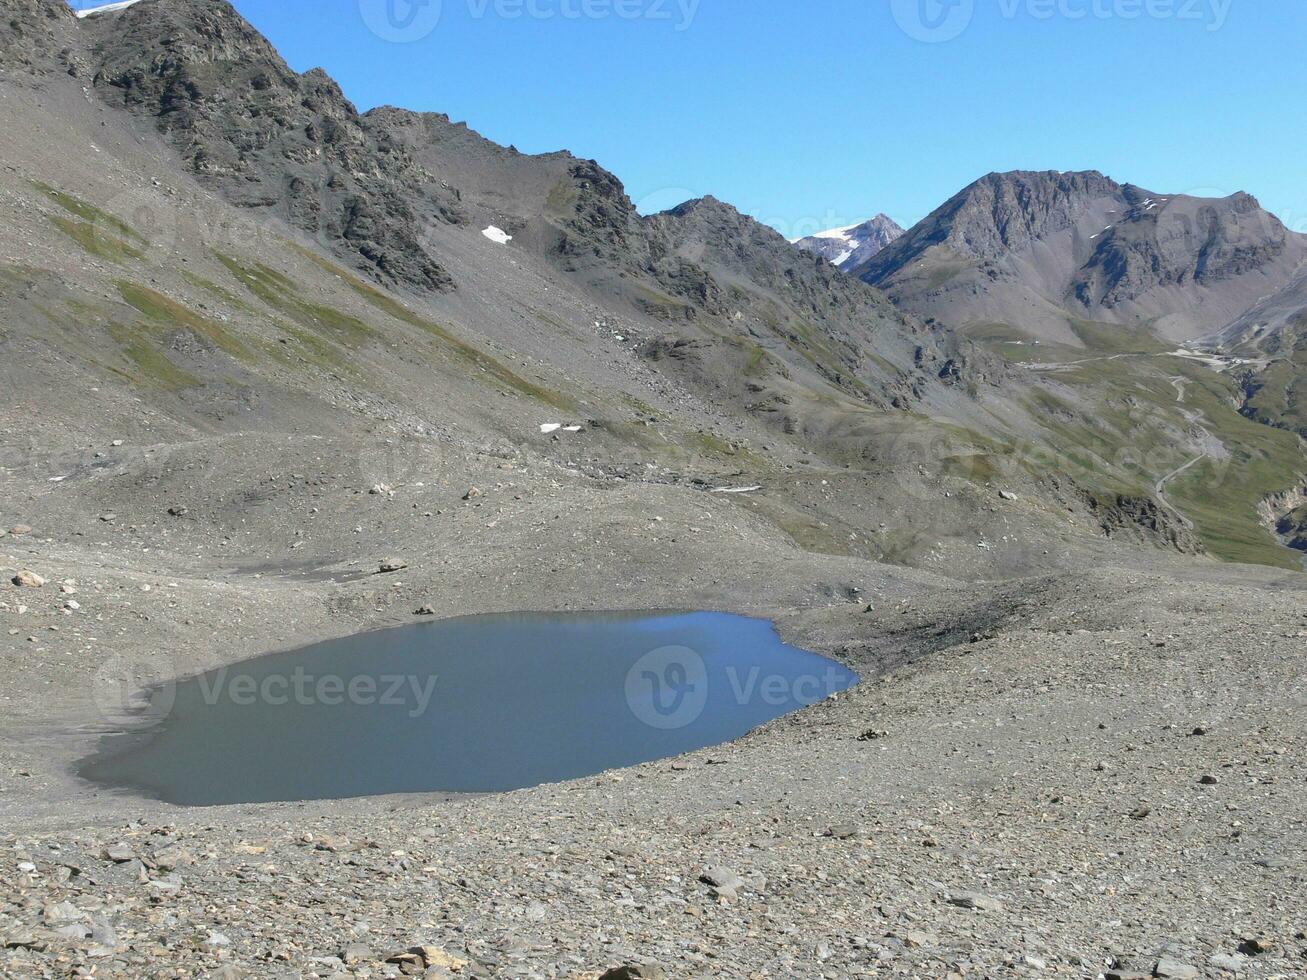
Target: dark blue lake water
[(477, 704)]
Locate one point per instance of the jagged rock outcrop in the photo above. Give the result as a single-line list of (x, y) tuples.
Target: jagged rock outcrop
[(268, 137)]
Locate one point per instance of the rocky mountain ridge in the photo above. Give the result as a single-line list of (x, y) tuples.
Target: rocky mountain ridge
[(1035, 252)]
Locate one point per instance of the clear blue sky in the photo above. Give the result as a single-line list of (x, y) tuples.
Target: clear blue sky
[(810, 113)]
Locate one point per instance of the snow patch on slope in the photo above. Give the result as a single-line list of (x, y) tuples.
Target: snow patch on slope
[(106, 8)]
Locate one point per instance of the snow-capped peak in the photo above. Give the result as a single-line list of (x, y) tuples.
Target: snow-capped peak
[(107, 8), (853, 244)]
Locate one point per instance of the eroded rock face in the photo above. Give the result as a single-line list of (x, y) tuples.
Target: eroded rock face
[(1143, 518), (1029, 249), (1181, 241), (37, 37), (270, 138)]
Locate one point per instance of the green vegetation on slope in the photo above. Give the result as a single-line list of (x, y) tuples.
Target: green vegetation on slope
[(163, 314), (280, 293), (94, 239), (89, 212), (472, 356)]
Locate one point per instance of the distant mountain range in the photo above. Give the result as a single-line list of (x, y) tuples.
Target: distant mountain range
[(1032, 251), (852, 246), (348, 267)]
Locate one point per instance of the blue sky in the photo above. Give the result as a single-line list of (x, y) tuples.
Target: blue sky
[(819, 113)]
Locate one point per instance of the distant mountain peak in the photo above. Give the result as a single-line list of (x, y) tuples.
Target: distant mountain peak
[(1031, 249), (852, 245)]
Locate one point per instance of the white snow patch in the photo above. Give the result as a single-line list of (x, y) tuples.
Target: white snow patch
[(843, 257), (839, 234), (497, 235), (107, 8), (549, 427), (737, 489)]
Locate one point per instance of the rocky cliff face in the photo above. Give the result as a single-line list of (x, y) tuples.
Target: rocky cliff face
[(37, 37), (1163, 242), (1034, 251), (268, 137)]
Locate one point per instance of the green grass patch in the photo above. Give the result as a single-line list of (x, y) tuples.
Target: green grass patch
[(89, 212), (164, 313), (478, 359), (95, 240), (216, 291), (562, 198), (280, 293), (1113, 338), (151, 365)]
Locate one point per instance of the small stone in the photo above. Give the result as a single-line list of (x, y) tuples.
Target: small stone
[(108, 518), (409, 963), (1007, 495), (916, 939), (28, 580), (21, 529), (1208, 780), (1275, 862), (719, 877), (118, 853), (1229, 962), (356, 953), (25, 940), (424, 611), (61, 912), (472, 494), (1175, 970), (1140, 812), (171, 858), (634, 971), (379, 488), (1255, 947), (842, 831), (436, 958), (391, 565), (975, 900), (178, 511)]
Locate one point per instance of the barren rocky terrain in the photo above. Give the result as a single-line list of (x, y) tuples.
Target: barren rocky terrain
[(275, 372)]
